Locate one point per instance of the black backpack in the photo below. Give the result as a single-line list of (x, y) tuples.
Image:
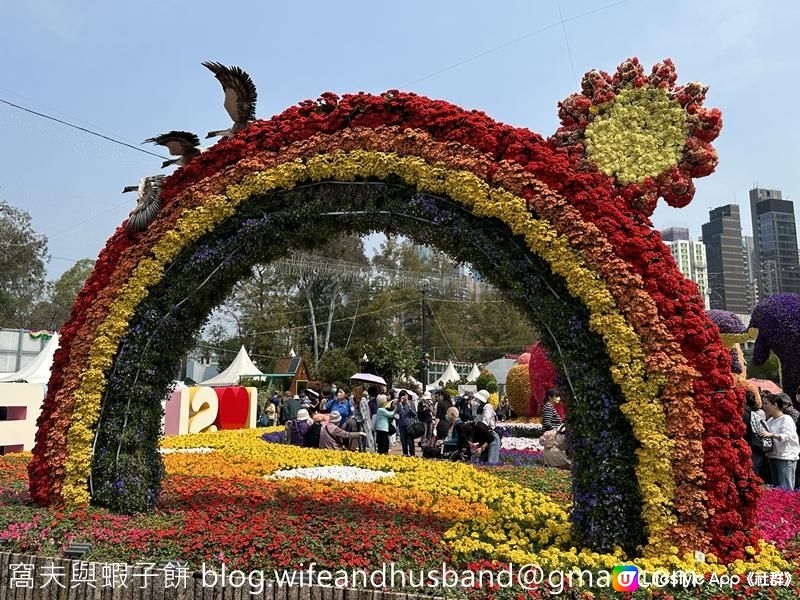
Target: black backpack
[(312, 435)]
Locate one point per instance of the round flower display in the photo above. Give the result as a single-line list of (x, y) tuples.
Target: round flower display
[(651, 136), (637, 135)]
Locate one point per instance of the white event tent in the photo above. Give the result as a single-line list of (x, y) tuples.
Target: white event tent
[(38, 370), (241, 365), (474, 374), (450, 374)]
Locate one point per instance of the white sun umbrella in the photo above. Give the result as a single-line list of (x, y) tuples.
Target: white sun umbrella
[(368, 378), (474, 374)]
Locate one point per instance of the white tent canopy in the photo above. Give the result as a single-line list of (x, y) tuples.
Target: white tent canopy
[(241, 365), (500, 368), (474, 374), (38, 370), (450, 374)]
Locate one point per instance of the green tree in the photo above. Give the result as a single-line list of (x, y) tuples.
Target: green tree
[(486, 381), (258, 312), (53, 312), (22, 260), (325, 290), (392, 356), (335, 366)]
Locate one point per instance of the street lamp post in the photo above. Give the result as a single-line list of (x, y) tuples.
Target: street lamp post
[(423, 372)]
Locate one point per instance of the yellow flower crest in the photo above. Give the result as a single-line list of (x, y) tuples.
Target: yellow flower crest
[(639, 134)]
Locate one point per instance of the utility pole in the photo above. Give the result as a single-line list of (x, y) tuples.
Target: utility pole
[(423, 375)]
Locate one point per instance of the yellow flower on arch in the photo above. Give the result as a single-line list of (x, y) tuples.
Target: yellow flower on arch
[(639, 134)]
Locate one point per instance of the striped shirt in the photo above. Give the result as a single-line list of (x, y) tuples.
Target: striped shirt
[(550, 418)]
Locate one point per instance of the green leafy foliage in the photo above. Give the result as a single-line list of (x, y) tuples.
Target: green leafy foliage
[(22, 259), (392, 356), (335, 366), (486, 381), (52, 312)]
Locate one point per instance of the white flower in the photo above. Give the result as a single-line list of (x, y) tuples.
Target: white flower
[(337, 472), (520, 443), (186, 450)]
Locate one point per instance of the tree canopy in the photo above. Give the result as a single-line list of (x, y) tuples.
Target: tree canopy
[(336, 300), (23, 253)]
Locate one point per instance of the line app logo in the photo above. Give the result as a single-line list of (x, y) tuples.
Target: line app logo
[(625, 578)]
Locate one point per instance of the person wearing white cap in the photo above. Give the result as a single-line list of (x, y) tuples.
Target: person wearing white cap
[(486, 412), (332, 436), (297, 429)]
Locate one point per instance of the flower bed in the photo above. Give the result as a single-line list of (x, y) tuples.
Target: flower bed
[(530, 430), (217, 507), (344, 474), (520, 443)]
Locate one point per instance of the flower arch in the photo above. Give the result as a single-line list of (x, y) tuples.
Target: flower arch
[(561, 225)]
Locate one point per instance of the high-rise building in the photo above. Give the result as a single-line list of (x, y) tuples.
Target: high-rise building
[(775, 242), (689, 256), (750, 270), (727, 282)]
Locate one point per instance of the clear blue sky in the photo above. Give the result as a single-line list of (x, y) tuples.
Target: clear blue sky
[(133, 70)]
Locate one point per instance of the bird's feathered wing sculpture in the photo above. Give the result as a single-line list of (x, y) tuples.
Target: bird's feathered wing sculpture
[(183, 144), (148, 202), (240, 97)]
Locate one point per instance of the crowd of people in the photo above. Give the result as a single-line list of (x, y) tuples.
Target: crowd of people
[(772, 432), (373, 422), (376, 419)]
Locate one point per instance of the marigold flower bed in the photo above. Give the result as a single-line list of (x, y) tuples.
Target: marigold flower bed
[(219, 506)]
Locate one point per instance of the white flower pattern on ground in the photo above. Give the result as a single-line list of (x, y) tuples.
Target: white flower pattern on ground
[(185, 450), (520, 443), (339, 473)]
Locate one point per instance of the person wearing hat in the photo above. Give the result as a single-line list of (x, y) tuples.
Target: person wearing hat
[(298, 428), (307, 404), (550, 417), (333, 437), (291, 407), (486, 412)]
